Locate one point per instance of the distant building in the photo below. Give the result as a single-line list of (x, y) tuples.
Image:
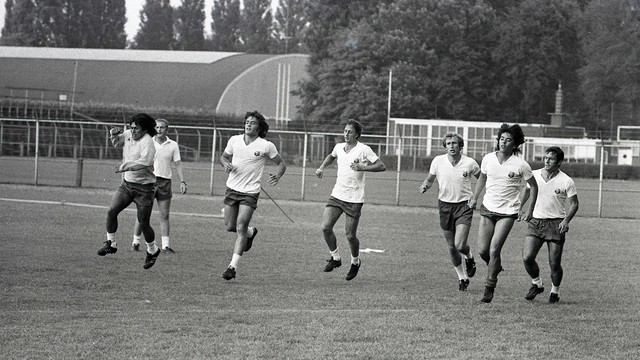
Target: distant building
[(227, 83)]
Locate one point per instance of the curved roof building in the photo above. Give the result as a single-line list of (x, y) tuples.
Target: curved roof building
[(227, 83)]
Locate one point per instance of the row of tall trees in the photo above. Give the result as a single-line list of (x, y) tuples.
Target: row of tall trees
[(485, 60), (244, 26), (493, 60)]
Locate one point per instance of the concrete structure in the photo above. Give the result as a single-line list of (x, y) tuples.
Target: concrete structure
[(229, 83)]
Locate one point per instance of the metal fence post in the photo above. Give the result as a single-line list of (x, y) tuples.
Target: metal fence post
[(37, 153), (213, 159), (304, 164)]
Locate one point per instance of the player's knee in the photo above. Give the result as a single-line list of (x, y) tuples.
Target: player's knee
[(327, 230), (528, 259)]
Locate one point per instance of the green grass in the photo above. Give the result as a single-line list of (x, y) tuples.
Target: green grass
[(59, 300)]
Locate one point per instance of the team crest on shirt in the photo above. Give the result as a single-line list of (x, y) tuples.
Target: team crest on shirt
[(465, 174), (561, 192), (257, 153), (512, 174)]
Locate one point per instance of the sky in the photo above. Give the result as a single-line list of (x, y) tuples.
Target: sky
[(133, 14)]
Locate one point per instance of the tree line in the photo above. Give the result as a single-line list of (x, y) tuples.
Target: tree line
[(483, 60)]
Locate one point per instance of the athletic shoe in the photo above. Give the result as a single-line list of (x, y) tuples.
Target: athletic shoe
[(553, 298), (250, 240), (107, 249), (229, 274), (471, 267), (150, 260), (135, 247), (463, 285), (168, 250), (353, 271), (332, 264), (533, 291), (488, 294)]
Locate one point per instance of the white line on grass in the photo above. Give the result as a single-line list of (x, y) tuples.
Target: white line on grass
[(64, 203)]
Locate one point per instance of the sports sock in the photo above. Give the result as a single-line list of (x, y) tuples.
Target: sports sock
[(555, 289), (136, 239), (112, 237), (234, 260), (537, 282), (152, 247), (165, 242), (462, 274), (250, 231), (355, 260), (335, 255), (468, 256)]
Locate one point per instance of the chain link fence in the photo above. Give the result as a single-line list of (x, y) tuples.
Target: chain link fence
[(79, 154)]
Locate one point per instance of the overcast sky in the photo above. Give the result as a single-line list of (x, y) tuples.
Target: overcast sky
[(133, 13)]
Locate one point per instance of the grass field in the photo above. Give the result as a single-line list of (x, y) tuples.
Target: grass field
[(59, 300)]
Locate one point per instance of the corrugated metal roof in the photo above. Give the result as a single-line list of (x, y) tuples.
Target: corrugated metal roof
[(194, 57)]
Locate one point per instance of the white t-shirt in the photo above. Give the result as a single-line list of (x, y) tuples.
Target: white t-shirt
[(552, 195), (454, 182), (350, 183), (504, 182), (166, 153), (248, 162), (138, 152)]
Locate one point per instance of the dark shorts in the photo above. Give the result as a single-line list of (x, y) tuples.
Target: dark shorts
[(545, 229), (353, 210), (141, 194), (493, 216), (163, 189), (454, 214), (234, 198)]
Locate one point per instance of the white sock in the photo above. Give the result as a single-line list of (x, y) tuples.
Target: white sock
[(165, 242), (355, 260), (250, 231), (470, 256), (136, 239), (152, 247), (537, 282), (112, 237), (555, 289), (334, 254), (462, 273), (234, 260)]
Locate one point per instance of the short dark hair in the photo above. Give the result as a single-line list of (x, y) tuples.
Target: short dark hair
[(516, 133), (356, 126), (453, 135), (556, 150), (263, 127), (145, 122)]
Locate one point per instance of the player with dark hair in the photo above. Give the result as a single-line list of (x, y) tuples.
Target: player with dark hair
[(167, 153), (454, 171), (138, 182), (503, 174), (550, 221), (354, 158), (244, 159)]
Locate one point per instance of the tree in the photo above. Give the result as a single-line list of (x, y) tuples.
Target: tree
[(225, 25), (290, 26), (8, 17), (111, 19), (611, 74), (190, 19), (156, 26), (22, 26), (537, 48), (256, 26)]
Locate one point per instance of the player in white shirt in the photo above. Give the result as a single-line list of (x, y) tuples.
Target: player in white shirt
[(550, 221), (167, 153), (503, 173), (347, 196), (138, 183), (454, 171), (244, 159)]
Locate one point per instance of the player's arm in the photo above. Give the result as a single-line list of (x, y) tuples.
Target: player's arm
[(179, 170), (326, 162), (377, 166), (524, 197), (573, 209), (427, 183), (282, 167), (482, 181), (225, 161), (527, 213), (116, 136), (145, 160)]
